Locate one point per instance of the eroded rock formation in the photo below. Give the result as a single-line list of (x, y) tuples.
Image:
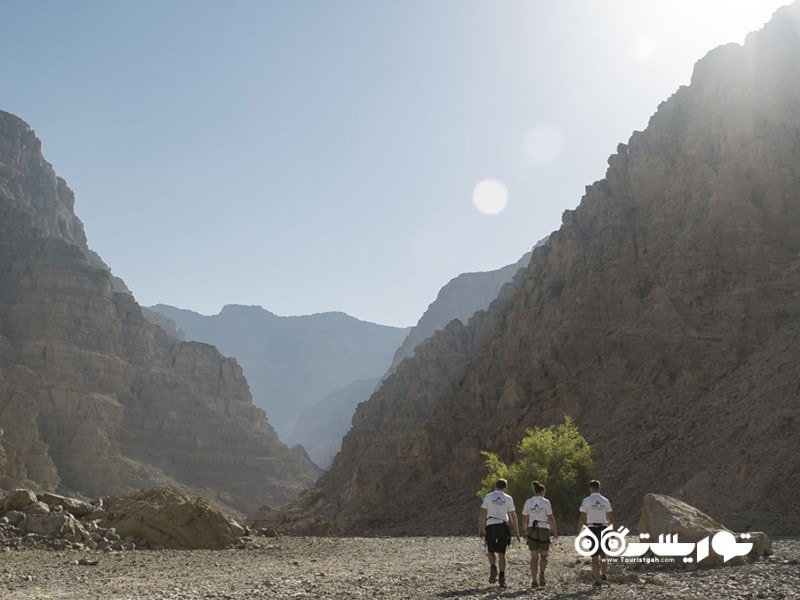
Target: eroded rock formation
[(93, 397)]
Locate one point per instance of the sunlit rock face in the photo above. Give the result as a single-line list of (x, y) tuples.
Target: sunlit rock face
[(94, 398), (664, 316)]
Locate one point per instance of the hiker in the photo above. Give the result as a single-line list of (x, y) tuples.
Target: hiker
[(539, 525), (496, 520), (596, 515)]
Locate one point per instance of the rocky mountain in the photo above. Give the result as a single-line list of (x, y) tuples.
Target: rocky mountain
[(459, 299), (292, 362), (94, 399), (663, 316)]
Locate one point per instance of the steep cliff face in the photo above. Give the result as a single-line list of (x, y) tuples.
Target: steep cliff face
[(459, 299), (293, 362), (93, 397), (663, 316)]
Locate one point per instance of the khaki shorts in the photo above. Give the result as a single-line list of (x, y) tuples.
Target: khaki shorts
[(538, 538)]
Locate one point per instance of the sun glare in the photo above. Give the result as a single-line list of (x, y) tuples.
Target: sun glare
[(490, 197), (700, 25)]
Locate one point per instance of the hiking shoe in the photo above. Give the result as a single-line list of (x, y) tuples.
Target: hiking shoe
[(603, 577), (535, 583), (541, 579), (597, 584), (492, 574), (502, 581)]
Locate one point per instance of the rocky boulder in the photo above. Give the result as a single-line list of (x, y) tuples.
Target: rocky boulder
[(76, 508), (169, 519), (666, 515), (18, 500), (58, 525)]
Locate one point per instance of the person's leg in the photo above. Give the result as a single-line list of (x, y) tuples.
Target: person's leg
[(534, 566), (501, 567), (491, 549), (542, 566), (596, 568), (603, 566)]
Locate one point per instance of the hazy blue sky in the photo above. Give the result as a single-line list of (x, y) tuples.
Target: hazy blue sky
[(309, 156)]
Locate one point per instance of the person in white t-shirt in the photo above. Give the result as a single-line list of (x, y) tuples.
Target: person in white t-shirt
[(539, 525), (596, 515), (496, 519)]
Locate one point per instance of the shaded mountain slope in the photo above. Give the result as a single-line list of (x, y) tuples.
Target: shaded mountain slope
[(321, 427), (459, 299), (663, 316), (94, 398)]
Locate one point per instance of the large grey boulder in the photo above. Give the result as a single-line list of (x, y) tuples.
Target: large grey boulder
[(167, 518), (19, 499), (666, 515)]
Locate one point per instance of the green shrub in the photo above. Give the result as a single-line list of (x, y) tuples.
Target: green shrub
[(559, 457)]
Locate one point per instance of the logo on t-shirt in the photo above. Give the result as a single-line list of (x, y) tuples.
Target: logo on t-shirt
[(598, 505)]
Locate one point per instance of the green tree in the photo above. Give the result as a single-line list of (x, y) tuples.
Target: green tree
[(559, 457)]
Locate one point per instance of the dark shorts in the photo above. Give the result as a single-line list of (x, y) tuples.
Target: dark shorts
[(498, 537), (597, 532), (538, 539)]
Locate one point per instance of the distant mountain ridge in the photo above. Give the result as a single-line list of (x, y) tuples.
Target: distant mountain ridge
[(320, 427), (292, 362), (94, 399)]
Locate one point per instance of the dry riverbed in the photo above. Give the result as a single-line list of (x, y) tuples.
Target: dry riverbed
[(297, 567)]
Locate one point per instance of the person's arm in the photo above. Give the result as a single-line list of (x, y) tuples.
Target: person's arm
[(514, 525), (552, 522), (482, 522), (524, 522), (581, 521), (610, 517)]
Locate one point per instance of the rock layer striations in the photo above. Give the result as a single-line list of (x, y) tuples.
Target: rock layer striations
[(93, 397)]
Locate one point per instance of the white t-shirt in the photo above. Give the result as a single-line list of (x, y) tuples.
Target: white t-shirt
[(497, 504), (596, 506), (537, 508)]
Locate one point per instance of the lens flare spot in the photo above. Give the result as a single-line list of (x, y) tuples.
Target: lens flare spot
[(490, 197)]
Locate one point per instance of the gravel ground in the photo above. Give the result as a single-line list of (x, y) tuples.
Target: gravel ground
[(297, 567)]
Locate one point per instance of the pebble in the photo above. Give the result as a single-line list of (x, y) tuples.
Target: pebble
[(348, 568)]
